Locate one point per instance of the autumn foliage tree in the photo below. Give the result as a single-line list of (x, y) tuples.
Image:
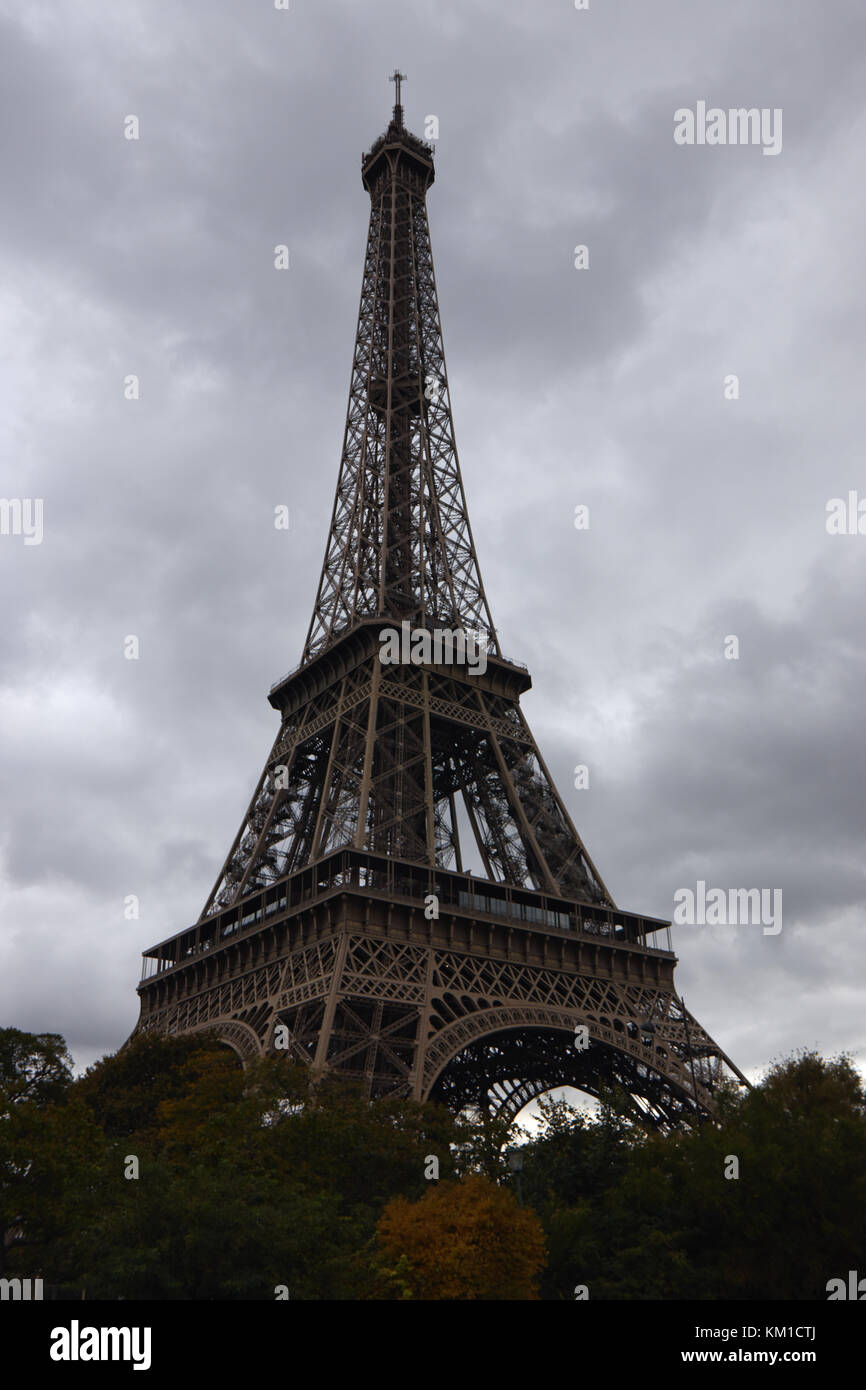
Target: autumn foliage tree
[(466, 1240)]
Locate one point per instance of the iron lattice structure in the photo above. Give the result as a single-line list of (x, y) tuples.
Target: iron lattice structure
[(343, 910)]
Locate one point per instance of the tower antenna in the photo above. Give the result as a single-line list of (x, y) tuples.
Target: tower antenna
[(397, 77)]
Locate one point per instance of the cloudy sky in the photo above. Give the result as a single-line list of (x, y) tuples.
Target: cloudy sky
[(602, 386)]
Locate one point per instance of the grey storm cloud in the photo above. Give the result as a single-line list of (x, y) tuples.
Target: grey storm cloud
[(602, 387)]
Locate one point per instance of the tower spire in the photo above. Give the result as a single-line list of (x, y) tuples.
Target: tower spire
[(400, 545), (397, 77)]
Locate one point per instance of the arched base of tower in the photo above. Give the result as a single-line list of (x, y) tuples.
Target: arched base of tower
[(504, 1072)]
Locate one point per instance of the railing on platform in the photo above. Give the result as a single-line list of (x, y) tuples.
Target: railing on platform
[(391, 879)]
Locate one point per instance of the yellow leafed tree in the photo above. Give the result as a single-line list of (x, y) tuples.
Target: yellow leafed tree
[(465, 1240)]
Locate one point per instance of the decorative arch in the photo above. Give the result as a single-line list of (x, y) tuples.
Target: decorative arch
[(239, 1036), (635, 1062), (487, 1022)]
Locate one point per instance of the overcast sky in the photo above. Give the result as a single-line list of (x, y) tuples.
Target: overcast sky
[(602, 386)]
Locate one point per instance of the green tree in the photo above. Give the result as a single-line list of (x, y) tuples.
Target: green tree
[(666, 1222), (34, 1067), (125, 1091)]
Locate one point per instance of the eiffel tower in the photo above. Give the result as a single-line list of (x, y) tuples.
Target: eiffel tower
[(345, 925)]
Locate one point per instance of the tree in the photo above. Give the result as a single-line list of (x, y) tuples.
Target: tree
[(52, 1160), (126, 1090), (464, 1240), (674, 1218), (34, 1067), (35, 1076)]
